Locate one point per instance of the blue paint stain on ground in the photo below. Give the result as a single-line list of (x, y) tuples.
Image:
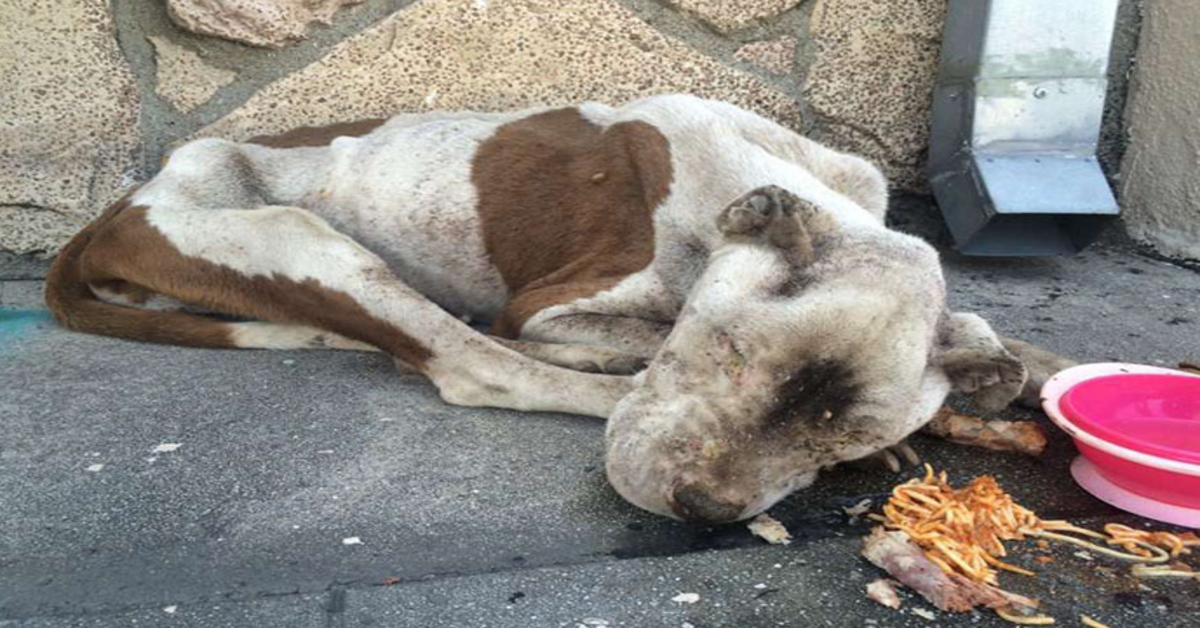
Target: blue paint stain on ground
[(17, 324)]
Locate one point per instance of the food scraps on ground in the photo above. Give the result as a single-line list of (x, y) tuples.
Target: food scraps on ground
[(883, 591), (1174, 570), (920, 612), (1026, 437), (1091, 623), (770, 530), (946, 544), (1130, 539), (859, 509), (895, 553), (686, 598)]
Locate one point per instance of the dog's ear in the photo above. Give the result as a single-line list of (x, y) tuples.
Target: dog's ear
[(972, 356), (774, 216)]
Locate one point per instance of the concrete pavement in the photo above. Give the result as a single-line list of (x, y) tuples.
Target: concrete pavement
[(326, 489)]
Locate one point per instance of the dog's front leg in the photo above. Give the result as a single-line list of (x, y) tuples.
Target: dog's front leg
[(578, 357), (1041, 365), (634, 337), (485, 373)]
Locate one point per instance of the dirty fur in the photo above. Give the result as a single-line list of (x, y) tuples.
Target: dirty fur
[(780, 325)]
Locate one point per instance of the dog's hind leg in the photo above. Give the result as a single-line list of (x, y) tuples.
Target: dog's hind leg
[(243, 334), (284, 265), (264, 335), (631, 336)]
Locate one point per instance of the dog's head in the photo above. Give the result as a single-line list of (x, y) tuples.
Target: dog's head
[(803, 344)]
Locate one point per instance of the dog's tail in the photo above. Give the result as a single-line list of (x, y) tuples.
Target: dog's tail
[(76, 307)]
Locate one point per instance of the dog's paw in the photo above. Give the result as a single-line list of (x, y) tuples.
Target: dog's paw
[(993, 378), (976, 363), (769, 213), (897, 457), (580, 357), (1041, 364), (773, 216), (599, 360), (754, 211)]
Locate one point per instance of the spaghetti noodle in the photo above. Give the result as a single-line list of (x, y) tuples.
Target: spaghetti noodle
[(963, 531)]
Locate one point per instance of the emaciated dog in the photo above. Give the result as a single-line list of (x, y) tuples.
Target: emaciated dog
[(721, 289)]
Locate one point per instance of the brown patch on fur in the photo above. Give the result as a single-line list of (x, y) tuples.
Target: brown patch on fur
[(76, 307), (126, 249), (566, 206), (308, 136), (524, 305)]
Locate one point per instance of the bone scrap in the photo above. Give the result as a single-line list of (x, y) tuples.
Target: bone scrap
[(883, 591), (1024, 437), (770, 530), (946, 543), (895, 553)]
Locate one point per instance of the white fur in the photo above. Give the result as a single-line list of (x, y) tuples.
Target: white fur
[(259, 335), (719, 152), (404, 192), (389, 219)]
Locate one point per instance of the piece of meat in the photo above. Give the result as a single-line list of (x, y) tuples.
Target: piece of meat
[(896, 554), (770, 530), (883, 591), (1024, 437)]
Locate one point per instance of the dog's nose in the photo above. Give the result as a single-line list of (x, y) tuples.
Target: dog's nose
[(696, 504)]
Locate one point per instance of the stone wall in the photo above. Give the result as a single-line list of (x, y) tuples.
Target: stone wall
[(98, 91), (1160, 182)]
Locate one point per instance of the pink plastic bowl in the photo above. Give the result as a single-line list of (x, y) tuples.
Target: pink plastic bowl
[(1153, 414), (1139, 426)]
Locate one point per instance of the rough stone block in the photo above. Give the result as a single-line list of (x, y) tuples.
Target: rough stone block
[(184, 79), (267, 23), (871, 82), (68, 120), (495, 55), (732, 15), (774, 55)]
